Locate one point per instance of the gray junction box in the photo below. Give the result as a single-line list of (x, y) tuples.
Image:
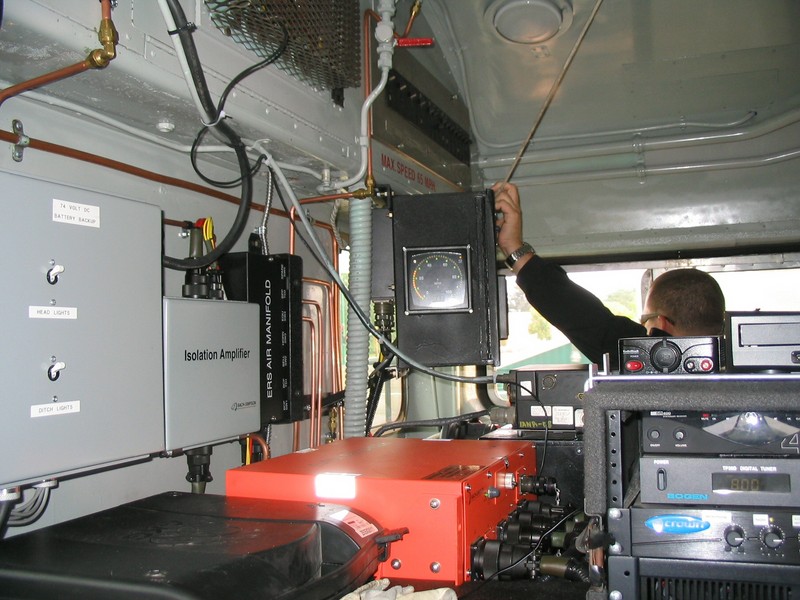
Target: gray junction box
[(81, 358), (211, 371)]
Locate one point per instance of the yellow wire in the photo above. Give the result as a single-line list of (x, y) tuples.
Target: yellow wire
[(208, 232)]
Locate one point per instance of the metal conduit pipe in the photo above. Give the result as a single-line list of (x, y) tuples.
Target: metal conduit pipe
[(641, 171), (356, 375), (683, 124), (639, 144)]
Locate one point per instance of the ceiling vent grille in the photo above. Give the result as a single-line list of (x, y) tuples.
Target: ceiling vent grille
[(324, 36)]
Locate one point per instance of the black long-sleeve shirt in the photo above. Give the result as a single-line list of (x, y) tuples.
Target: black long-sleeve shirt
[(574, 311)]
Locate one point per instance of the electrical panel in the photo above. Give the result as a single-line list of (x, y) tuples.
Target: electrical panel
[(81, 319), (445, 275)]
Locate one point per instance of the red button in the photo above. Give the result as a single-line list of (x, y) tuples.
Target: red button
[(634, 365), (706, 365)]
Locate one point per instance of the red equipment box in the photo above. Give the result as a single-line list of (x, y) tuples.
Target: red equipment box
[(448, 493)]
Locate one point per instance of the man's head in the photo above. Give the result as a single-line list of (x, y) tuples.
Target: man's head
[(685, 302)]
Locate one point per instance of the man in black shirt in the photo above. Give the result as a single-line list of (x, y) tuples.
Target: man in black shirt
[(682, 302)]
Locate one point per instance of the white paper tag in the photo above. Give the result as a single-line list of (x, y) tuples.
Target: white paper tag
[(52, 312), (55, 408), (73, 213)]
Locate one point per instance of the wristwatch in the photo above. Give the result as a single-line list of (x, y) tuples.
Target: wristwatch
[(512, 258)]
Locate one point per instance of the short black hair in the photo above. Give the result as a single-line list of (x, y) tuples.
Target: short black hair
[(691, 299)]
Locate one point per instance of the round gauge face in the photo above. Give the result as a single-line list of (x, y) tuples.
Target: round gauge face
[(437, 280)]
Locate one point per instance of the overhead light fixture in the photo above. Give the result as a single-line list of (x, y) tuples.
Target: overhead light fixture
[(529, 21)]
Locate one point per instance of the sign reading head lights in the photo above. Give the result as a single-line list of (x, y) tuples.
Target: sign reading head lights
[(340, 486)]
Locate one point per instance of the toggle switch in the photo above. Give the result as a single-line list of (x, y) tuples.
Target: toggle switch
[(53, 273), (54, 372), (661, 479)]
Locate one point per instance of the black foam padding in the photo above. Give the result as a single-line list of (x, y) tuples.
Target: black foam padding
[(689, 392)]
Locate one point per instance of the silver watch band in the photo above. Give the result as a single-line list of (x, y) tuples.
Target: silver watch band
[(512, 258)]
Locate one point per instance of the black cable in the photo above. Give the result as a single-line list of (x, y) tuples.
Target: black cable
[(220, 184), (377, 378), (221, 105), (30, 511), (196, 70), (252, 69), (560, 522), (546, 429), (441, 422), (5, 512)]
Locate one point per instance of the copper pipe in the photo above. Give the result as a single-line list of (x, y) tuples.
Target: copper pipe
[(334, 244), (261, 442), (334, 330), (315, 418), (415, 10), (317, 366), (313, 200), (296, 436), (42, 80), (128, 169), (105, 8), (97, 59), (334, 321)]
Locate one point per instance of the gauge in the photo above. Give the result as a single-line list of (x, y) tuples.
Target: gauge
[(437, 279)]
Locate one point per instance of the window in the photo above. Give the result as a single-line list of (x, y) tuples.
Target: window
[(532, 340)]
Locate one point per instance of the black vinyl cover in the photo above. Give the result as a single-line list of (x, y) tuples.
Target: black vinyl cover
[(186, 546)]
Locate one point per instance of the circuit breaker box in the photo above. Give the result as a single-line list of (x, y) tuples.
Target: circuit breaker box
[(81, 320)]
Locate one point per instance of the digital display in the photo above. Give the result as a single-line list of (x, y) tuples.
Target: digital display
[(729, 483)]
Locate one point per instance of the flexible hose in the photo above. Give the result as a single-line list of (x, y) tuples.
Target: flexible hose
[(355, 397)]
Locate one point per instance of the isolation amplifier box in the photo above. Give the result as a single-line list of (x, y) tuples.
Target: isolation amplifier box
[(210, 371), (447, 493)]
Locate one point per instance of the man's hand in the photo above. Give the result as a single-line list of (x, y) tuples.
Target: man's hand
[(506, 201)]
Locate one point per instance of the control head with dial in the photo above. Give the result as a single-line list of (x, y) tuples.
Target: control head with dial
[(437, 280)]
